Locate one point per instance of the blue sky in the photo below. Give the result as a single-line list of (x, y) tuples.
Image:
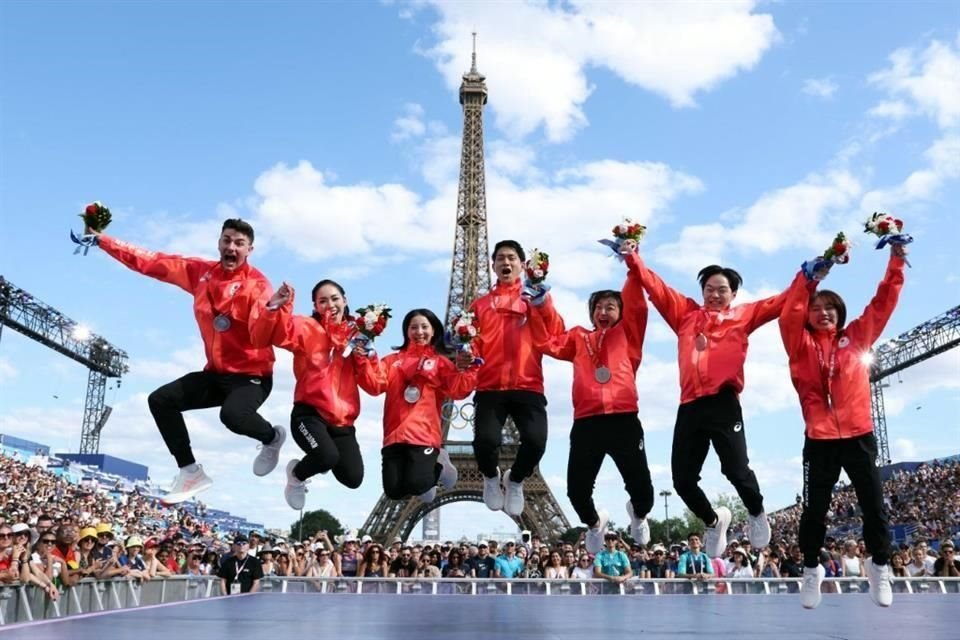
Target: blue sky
[(743, 133)]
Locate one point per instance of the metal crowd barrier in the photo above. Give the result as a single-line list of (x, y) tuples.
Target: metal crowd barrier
[(19, 603)]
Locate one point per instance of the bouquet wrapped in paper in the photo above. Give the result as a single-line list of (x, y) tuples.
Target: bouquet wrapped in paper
[(837, 253), (371, 321), (463, 333), (96, 217), (626, 230), (535, 272)]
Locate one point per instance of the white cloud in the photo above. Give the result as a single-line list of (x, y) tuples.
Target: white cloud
[(820, 87), (409, 125), (893, 109), (904, 449), (928, 79), (536, 54)]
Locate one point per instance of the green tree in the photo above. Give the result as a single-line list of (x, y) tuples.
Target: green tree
[(572, 534), (735, 504), (313, 521)]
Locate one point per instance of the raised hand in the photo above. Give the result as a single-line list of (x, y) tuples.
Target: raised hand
[(628, 246), (280, 297)]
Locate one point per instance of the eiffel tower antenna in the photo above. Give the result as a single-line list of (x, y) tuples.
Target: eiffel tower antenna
[(469, 279)]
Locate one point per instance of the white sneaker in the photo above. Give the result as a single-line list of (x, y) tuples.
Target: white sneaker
[(296, 490), (878, 575), (715, 538), (266, 461), (594, 538), (428, 496), (810, 587), (639, 527), (187, 484), (493, 492), (449, 474), (513, 496), (759, 531)]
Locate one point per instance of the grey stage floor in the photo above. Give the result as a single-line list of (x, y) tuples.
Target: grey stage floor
[(272, 616)]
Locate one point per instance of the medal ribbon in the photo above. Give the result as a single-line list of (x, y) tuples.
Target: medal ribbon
[(831, 368), (595, 356), (216, 312)]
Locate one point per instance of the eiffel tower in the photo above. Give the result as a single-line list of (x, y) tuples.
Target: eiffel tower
[(469, 279)]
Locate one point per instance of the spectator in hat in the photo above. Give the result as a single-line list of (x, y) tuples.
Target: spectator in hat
[(88, 564), (508, 565), (241, 573), (133, 560), (741, 564), (657, 566), (612, 564), (483, 564)]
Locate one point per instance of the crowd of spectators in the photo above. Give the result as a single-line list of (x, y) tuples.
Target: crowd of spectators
[(54, 533)]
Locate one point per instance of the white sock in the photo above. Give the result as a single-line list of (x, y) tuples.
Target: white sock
[(191, 468)]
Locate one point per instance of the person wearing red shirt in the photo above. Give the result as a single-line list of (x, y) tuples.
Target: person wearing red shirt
[(605, 406), (417, 379), (831, 373), (227, 294), (326, 400), (510, 380), (712, 339)]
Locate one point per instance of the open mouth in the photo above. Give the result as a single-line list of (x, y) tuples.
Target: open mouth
[(505, 271), (229, 260)]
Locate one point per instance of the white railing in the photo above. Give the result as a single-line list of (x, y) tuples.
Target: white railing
[(20, 603)]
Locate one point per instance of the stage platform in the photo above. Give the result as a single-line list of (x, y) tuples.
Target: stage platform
[(275, 616)]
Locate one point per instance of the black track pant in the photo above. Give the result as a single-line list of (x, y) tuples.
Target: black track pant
[(529, 412), (328, 447), (238, 396), (409, 470), (715, 419), (620, 436), (822, 462)]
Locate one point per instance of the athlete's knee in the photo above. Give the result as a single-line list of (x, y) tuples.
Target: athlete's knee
[(394, 492), (486, 440), (160, 399), (352, 479)]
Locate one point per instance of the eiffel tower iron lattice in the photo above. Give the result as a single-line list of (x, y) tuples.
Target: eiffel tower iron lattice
[(469, 279)]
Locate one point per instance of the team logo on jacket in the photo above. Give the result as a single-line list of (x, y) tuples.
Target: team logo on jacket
[(737, 427), (844, 341), (428, 365), (232, 291)]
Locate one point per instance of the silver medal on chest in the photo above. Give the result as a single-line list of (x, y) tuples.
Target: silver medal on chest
[(602, 374), (221, 323), (411, 394)]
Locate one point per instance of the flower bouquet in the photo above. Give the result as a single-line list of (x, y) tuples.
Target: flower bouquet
[(535, 272), (463, 333), (626, 230), (837, 253), (370, 322), (96, 217), (888, 229)]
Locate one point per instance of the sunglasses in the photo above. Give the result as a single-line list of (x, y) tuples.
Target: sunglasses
[(45, 540)]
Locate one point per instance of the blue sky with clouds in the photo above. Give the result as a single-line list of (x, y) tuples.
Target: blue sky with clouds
[(742, 133)]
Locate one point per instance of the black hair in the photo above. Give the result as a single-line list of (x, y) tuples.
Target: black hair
[(320, 285), (509, 244), (834, 299), (437, 342), (603, 294), (238, 225), (732, 276)]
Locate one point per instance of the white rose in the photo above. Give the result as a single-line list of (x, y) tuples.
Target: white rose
[(472, 331), (538, 273)]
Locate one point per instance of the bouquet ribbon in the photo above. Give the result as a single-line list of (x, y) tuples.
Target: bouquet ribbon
[(814, 269), (458, 345), (84, 242), (359, 339), (535, 294), (614, 246), (894, 238)]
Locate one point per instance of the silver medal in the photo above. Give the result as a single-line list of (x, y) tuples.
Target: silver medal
[(701, 342), (221, 323), (411, 394), (602, 374)]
